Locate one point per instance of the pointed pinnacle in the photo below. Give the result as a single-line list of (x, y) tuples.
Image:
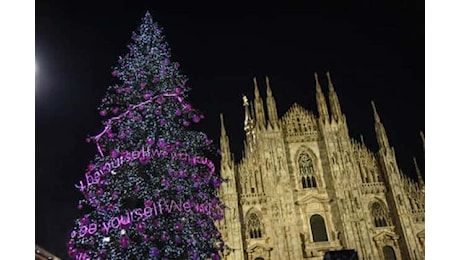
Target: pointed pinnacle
[(362, 138), (256, 89), (247, 113), (318, 86), (331, 86), (222, 126), (376, 115), (419, 176), (423, 139), (269, 90)]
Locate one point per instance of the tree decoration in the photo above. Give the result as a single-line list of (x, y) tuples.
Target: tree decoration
[(150, 192)]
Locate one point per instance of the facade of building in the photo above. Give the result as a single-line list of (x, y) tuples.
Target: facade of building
[(304, 189)]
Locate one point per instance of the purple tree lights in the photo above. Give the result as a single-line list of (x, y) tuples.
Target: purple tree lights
[(151, 190)]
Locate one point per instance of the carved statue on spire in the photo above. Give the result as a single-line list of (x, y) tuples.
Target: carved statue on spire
[(245, 101), (248, 123)]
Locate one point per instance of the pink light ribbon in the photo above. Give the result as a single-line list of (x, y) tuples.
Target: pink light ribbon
[(113, 119)]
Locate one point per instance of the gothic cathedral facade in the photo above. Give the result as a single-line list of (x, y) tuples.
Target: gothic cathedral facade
[(304, 189)]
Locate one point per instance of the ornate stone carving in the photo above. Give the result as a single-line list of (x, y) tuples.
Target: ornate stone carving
[(348, 176)]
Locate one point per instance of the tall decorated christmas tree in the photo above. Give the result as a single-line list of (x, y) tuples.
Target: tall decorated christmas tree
[(151, 190)]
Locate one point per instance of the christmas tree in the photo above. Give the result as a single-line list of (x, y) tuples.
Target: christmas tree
[(151, 190)]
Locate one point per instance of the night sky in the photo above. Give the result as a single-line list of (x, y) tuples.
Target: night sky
[(374, 50)]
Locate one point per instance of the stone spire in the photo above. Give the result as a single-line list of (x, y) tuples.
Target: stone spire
[(224, 143), (423, 139), (419, 176), (259, 107), (380, 132), (336, 112), (271, 105), (321, 101), (248, 121)]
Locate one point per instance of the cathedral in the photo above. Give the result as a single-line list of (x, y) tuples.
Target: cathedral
[(304, 189)]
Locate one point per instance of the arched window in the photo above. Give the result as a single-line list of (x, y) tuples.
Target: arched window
[(313, 181), (254, 226), (304, 182), (379, 215), (389, 253), (318, 228), (307, 171)]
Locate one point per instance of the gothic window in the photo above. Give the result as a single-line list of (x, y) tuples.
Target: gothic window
[(254, 226), (389, 253), (318, 228), (304, 182), (313, 181), (379, 216), (307, 171)]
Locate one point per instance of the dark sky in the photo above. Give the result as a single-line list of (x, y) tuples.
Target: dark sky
[(373, 49)]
